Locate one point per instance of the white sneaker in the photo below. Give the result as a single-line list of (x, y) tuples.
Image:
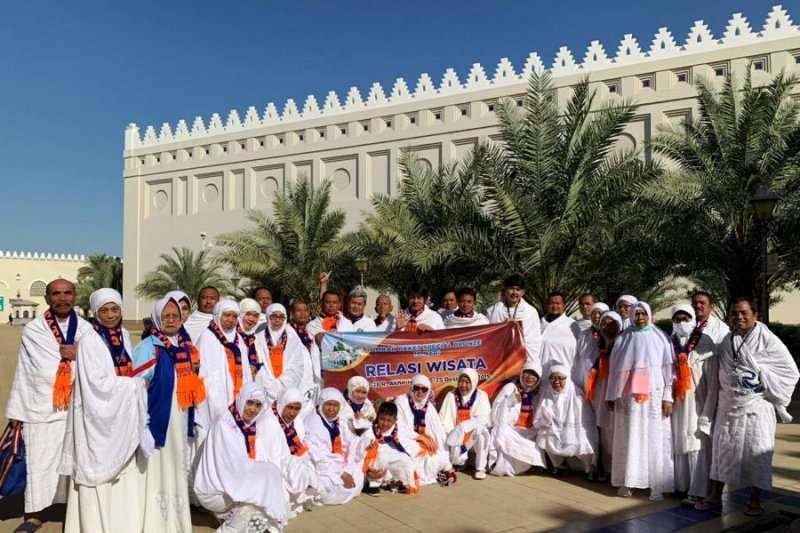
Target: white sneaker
[(625, 492), (480, 474)]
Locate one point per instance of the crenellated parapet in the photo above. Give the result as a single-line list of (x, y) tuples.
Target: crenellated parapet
[(777, 25), (42, 256)]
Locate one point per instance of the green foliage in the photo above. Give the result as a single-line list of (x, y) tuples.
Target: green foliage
[(101, 271), (288, 250), (185, 270)]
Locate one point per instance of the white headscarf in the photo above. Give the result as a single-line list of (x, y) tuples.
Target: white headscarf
[(276, 308), (252, 390), (562, 420), (600, 306), (534, 365), (627, 298), (158, 308), (178, 296), (224, 306), (356, 382), (474, 380), (290, 395), (421, 380), (613, 315), (249, 305), (101, 297), (330, 394), (683, 329)]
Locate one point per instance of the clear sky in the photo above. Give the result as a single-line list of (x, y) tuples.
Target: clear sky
[(75, 73)]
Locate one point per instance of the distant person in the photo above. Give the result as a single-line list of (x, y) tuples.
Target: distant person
[(623, 308), (41, 393), (264, 298), (707, 322), (586, 302), (384, 319), (465, 314), (558, 334), (449, 304), (514, 307), (198, 321), (10, 319)]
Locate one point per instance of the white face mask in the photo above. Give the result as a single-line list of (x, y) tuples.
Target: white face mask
[(683, 329)]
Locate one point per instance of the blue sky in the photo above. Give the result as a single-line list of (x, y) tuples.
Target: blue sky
[(75, 73)]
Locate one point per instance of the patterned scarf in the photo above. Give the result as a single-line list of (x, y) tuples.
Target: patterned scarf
[(419, 414), (185, 342), (252, 353), (392, 440), (233, 354), (464, 410), (460, 314), (114, 341), (190, 390), (411, 326), (276, 352), (683, 373), (334, 433), (296, 446), (248, 431), (525, 418), (62, 388), (305, 338)]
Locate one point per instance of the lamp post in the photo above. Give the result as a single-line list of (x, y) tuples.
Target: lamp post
[(361, 265), (763, 204)]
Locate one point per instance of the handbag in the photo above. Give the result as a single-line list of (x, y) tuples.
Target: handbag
[(12, 461)]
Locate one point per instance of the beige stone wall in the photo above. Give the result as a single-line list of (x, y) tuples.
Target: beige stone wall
[(188, 181), (24, 273)]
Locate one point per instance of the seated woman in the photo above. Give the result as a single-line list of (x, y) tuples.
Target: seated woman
[(417, 415), (238, 475), (338, 455), (358, 410), (299, 475), (466, 417), (564, 423), (388, 461), (514, 448)]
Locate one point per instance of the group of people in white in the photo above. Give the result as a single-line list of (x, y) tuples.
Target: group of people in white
[(224, 406)]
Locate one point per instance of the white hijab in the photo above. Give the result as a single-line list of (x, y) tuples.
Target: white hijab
[(225, 306), (290, 395), (330, 394), (252, 390), (562, 419), (101, 297), (275, 334), (246, 306), (158, 309), (421, 380)]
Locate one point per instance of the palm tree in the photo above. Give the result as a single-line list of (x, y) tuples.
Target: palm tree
[(745, 137), (101, 271), (287, 251), (185, 270)]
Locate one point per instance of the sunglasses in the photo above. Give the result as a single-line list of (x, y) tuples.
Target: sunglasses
[(419, 388)]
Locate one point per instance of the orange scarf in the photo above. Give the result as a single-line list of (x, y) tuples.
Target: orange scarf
[(189, 389), (233, 354), (62, 387), (276, 353)]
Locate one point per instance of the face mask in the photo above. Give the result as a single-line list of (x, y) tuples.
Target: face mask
[(683, 329)]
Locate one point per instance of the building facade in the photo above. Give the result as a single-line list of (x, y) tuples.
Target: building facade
[(24, 277), (187, 184)]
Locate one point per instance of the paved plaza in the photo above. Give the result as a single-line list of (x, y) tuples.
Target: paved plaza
[(520, 504)]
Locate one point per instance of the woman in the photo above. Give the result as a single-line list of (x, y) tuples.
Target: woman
[(184, 302), (249, 319), (514, 449), (564, 423), (173, 393), (299, 475), (418, 417), (640, 393), (337, 453), (358, 410), (106, 418), (282, 353), (466, 416), (239, 473)]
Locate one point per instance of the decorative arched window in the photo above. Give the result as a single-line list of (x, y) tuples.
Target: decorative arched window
[(38, 288), (25, 314)]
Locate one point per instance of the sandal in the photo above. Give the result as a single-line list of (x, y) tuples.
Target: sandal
[(28, 527), (753, 510), (708, 505)]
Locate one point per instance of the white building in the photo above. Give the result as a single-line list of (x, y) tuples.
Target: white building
[(191, 180)]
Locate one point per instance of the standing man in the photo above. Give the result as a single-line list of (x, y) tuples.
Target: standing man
[(558, 334), (449, 304), (264, 298), (311, 383), (41, 393), (198, 321), (757, 376), (465, 315), (419, 317), (329, 319), (356, 320), (585, 303), (704, 306), (514, 307), (384, 319)]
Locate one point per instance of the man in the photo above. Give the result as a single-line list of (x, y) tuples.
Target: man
[(558, 334), (41, 393), (329, 319), (449, 304), (704, 306), (356, 320), (418, 317), (311, 383), (384, 320), (264, 298), (757, 376), (514, 307), (465, 315), (199, 320), (585, 303), (623, 307)]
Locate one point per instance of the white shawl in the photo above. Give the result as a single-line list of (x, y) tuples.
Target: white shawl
[(480, 412), (564, 422), (295, 359), (196, 324), (453, 321), (531, 328), (558, 343)]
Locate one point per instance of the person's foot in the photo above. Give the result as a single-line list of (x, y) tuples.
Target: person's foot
[(29, 526), (602, 477), (624, 492), (656, 497), (369, 489), (591, 475), (479, 474), (446, 478), (690, 501), (753, 509), (707, 504)]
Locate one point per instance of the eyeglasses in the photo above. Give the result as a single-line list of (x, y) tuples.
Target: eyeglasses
[(419, 388)]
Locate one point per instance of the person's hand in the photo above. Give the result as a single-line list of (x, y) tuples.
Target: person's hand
[(348, 481), (428, 442), (422, 328), (401, 320), (376, 474), (318, 338), (610, 405), (324, 278), (68, 351), (666, 409)]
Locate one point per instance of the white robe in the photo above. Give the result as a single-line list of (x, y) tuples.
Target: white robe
[(311, 382), (364, 323), (586, 354), (428, 464), (470, 434), (295, 363), (387, 325), (229, 483), (558, 343), (692, 419), (514, 449), (299, 475), (330, 466), (196, 324), (31, 402), (430, 318), (753, 387), (531, 328), (565, 426), (315, 326), (399, 466), (477, 319), (716, 329), (356, 425), (217, 378), (106, 418)]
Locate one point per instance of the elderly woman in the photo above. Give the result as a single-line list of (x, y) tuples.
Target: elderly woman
[(174, 391), (417, 415), (282, 352), (106, 418), (299, 475), (640, 392), (564, 422), (358, 410), (238, 476), (337, 453), (466, 417), (514, 449), (249, 320)]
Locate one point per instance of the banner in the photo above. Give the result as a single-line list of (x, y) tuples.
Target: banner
[(390, 361)]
